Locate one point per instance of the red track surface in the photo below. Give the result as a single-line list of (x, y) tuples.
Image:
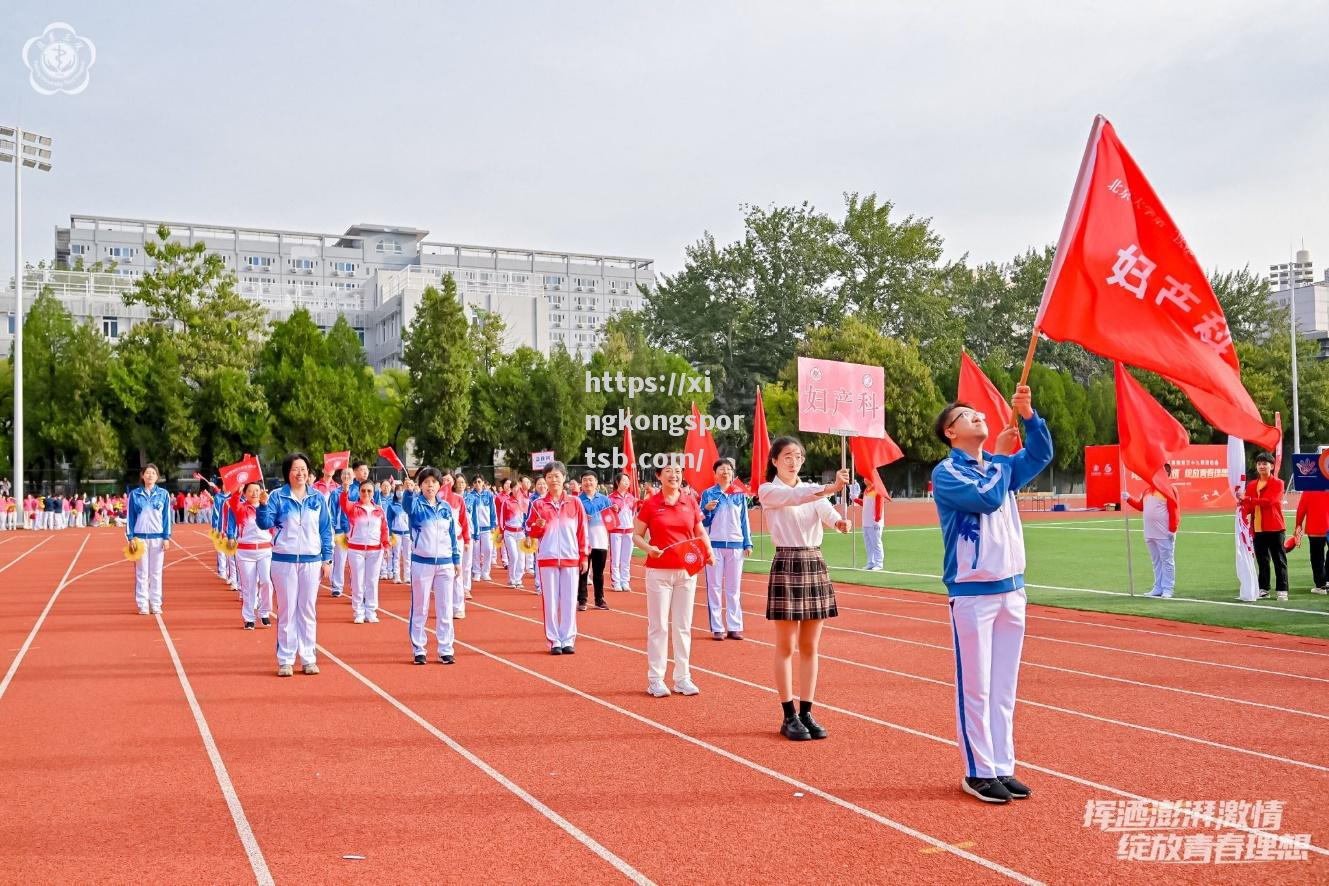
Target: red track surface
[(105, 775)]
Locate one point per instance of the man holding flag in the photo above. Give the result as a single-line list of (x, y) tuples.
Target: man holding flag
[(984, 576)]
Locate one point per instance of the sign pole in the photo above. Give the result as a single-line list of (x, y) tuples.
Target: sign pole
[(853, 543)]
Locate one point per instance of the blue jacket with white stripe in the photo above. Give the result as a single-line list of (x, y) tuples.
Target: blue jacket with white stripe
[(980, 522)]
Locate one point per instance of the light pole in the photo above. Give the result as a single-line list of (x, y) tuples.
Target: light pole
[(22, 148)]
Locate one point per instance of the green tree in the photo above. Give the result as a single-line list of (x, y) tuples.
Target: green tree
[(294, 372), (486, 333), (150, 401), (438, 355)]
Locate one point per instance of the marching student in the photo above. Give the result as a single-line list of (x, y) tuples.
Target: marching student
[(435, 565), (461, 591), (303, 540), (624, 505), (983, 571), (799, 593), (223, 526), (538, 491), (558, 522), (366, 540), (360, 472), (340, 526), (724, 513), (1313, 520), (205, 507), (1262, 504), (461, 502), (149, 524), (484, 517), (1161, 519), (512, 508), (669, 518), (594, 502), (386, 500), (501, 496), (874, 516), (399, 524), (253, 556)]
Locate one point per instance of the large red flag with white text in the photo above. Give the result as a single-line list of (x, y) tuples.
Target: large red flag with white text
[(978, 391), (1125, 285), (1150, 437)]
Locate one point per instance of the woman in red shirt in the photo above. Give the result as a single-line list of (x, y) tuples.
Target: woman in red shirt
[(1262, 503), (1313, 520), (671, 519)]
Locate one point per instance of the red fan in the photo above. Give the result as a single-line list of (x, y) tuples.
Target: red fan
[(1291, 543), (610, 517)]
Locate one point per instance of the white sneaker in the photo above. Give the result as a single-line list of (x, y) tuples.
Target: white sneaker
[(156, 610), (458, 613), (469, 596), (359, 619), (1320, 590), (143, 612), (658, 690), (371, 618), (686, 687), (1282, 596)]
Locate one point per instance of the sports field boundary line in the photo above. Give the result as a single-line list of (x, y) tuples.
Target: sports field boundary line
[(604, 853), (1075, 779), (28, 551), (253, 852), (743, 761), (23, 650)]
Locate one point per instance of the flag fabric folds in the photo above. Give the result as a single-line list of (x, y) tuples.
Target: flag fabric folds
[(235, 476), (631, 458), (1148, 433), (978, 391), (871, 453), (700, 454), (391, 455), (1125, 285), (761, 445), (335, 461)]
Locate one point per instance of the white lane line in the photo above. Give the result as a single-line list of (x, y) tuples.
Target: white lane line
[(1049, 707), (512, 787), (23, 650), (257, 862), (29, 551), (1075, 779), (743, 761)]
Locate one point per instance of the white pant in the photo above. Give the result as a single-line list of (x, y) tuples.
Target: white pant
[(436, 580), (1162, 551), (364, 580), (558, 592), (221, 565), (148, 575), (401, 569), (988, 631), (872, 541), (724, 587), (296, 585), (467, 556), (620, 559), (516, 557), (338, 578), (255, 568), (483, 561), (670, 594)]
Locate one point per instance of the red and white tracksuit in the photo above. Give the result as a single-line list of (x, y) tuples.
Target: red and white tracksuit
[(365, 543), (561, 529), (620, 540), (253, 561), (512, 517), (461, 587)]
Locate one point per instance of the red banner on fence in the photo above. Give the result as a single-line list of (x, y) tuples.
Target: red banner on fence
[(1199, 474)]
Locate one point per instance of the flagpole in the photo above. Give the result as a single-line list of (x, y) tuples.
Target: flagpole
[(1126, 516), (852, 544), (1292, 313)]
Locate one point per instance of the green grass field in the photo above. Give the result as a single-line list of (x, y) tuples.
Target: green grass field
[(1072, 562)]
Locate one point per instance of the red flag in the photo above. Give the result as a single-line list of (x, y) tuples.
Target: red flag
[(978, 391), (1125, 285), (761, 443), (631, 458), (700, 454), (391, 455), (1149, 435), (1278, 452), (335, 461), (689, 554), (738, 486), (235, 476), (871, 453)]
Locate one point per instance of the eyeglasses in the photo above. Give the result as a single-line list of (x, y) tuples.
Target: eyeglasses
[(971, 414), (793, 456)]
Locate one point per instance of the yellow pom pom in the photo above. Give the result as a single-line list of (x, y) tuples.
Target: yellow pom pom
[(134, 550), (340, 541), (393, 540), (528, 545)]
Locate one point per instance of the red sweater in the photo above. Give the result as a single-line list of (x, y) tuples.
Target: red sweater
[(1313, 513), (1269, 503)]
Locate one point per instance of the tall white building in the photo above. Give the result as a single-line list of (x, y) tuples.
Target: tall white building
[(1309, 298), (372, 274)]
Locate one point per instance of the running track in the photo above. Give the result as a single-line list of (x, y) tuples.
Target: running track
[(143, 749)]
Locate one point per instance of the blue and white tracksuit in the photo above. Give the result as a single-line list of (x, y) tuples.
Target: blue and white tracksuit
[(435, 560), (223, 524), (727, 527), (483, 516), (341, 525), (397, 561), (300, 547), (149, 520), (984, 575)]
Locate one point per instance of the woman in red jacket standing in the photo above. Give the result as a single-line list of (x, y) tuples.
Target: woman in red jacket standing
[(1313, 520), (1262, 503)]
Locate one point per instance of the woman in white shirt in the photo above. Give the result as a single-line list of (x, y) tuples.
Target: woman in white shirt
[(799, 595)]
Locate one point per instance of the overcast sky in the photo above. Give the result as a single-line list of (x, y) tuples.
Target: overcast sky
[(631, 127)]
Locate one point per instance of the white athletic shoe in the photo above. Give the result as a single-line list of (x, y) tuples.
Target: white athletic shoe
[(359, 619), (459, 613), (658, 690), (469, 596), (1282, 596), (686, 687), (1320, 591), (156, 610), (143, 612), (371, 618)]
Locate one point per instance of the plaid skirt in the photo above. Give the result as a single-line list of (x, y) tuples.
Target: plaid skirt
[(799, 588)]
